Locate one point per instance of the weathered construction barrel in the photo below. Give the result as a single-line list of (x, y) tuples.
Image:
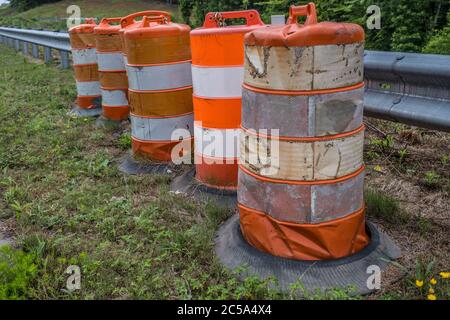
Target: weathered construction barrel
[(301, 181), (112, 72), (134, 20), (85, 65), (218, 72), (160, 85)]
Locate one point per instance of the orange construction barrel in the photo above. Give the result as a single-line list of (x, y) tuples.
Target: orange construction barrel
[(84, 55), (217, 72), (160, 85), (301, 173), (301, 182), (111, 67)]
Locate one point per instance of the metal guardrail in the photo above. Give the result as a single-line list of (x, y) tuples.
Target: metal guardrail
[(20, 39), (409, 88)]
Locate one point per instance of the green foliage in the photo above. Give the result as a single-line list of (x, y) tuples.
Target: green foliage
[(17, 270), (406, 25), (431, 180), (125, 141), (440, 41), (23, 5), (194, 11), (383, 144), (429, 282)]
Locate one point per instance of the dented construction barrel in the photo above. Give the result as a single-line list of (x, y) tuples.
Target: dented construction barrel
[(160, 85), (84, 55), (111, 67), (301, 181), (217, 72)]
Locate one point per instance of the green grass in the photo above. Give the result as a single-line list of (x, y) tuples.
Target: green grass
[(39, 17), (384, 207), (131, 237)]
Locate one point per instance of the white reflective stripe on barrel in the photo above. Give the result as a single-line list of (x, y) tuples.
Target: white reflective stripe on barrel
[(90, 88), (302, 160), (218, 143), (110, 62), (84, 56), (218, 82), (160, 128), (302, 203), (160, 77), (304, 68), (114, 98), (316, 115)]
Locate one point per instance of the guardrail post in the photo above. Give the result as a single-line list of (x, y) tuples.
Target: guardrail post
[(35, 51), (17, 45), (65, 64), (25, 48), (47, 54)]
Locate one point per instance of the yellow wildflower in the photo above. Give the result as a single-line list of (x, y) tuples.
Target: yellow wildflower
[(431, 291), (433, 281), (445, 275), (431, 297), (378, 168), (419, 283)]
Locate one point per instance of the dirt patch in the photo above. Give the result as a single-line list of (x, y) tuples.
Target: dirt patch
[(411, 165)]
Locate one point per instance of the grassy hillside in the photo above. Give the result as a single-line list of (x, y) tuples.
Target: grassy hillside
[(44, 16)]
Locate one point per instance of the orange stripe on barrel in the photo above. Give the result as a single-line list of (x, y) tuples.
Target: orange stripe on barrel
[(141, 51), (116, 113), (113, 80), (217, 172), (218, 113), (109, 43), (86, 73), (161, 104), (324, 241), (154, 150), (87, 102)]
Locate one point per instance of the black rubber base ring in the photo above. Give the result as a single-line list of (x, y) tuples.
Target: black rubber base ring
[(103, 122), (187, 184), (349, 272), (131, 166), (82, 113)]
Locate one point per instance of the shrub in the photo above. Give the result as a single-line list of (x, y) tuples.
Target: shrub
[(17, 270)]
